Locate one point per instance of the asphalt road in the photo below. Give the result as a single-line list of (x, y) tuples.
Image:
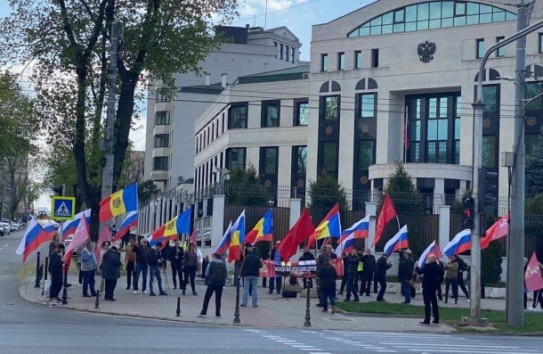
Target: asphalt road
[(33, 328)]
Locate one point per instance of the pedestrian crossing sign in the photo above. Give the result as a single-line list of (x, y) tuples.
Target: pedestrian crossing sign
[(63, 208)]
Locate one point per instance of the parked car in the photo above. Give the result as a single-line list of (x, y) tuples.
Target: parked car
[(5, 227), (14, 226)]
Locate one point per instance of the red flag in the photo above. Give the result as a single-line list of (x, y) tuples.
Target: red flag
[(498, 230), (193, 236), (388, 212), (532, 276), (301, 230)]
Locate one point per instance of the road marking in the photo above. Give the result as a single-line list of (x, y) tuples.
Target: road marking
[(5, 246)]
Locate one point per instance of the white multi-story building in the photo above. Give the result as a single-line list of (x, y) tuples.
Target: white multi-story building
[(391, 82), (170, 139)]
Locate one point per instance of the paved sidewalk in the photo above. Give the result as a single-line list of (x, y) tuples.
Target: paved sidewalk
[(272, 311)]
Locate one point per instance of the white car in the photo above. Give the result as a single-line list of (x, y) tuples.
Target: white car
[(5, 228)]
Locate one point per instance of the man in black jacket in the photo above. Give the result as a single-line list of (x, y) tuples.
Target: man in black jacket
[(142, 266), (406, 274), (55, 270), (250, 270), (276, 282), (368, 260), (352, 272), (381, 268), (306, 256), (432, 277), (154, 258), (175, 256)]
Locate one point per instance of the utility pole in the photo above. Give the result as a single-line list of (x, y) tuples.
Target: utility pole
[(107, 146), (515, 241)]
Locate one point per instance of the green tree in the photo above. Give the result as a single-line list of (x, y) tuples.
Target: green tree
[(244, 188), (404, 194), (147, 191), (325, 192), (491, 263), (67, 41)]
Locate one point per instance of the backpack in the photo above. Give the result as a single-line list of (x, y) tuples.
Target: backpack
[(218, 273)]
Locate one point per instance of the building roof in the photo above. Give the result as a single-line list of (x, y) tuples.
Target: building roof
[(213, 89), (295, 73)]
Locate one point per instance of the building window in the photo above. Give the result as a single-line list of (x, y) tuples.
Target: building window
[(300, 160), (235, 159), (375, 58), (162, 118), (540, 38), (367, 105), (480, 48), (501, 51), (237, 116), (301, 116), (292, 55), (430, 15), (324, 62), (270, 114), (162, 140), (365, 154), (269, 160), (533, 96), (341, 61), (275, 45), (287, 53), (281, 46), (329, 156), (331, 107), (160, 163), (358, 59), (489, 152)]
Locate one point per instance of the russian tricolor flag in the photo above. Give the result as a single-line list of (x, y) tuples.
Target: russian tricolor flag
[(33, 238), (346, 245), (131, 220), (50, 228), (69, 227), (432, 248), (359, 229), (224, 243), (397, 242), (459, 244)]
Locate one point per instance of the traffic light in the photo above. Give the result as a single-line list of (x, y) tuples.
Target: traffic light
[(488, 188), (58, 190), (469, 212)]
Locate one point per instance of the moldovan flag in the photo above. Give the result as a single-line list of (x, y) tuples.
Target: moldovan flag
[(237, 238), (263, 230), (432, 248), (119, 202), (388, 212), (397, 242), (498, 230), (301, 230), (330, 226), (532, 276), (33, 238), (80, 236), (459, 244)]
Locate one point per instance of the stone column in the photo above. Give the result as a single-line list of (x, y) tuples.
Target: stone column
[(295, 210), (217, 220), (371, 210), (444, 225)]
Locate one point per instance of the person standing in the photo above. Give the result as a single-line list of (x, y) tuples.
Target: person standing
[(190, 263), (205, 263), (130, 260), (367, 273), (306, 256), (431, 280), (352, 273), (345, 260), (154, 259), (381, 267), (175, 256), (111, 271), (215, 279), (451, 278), (462, 267), (406, 275), (55, 270), (250, 270), (277, 281), (142, 266), (88, 268), (327, 275)]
